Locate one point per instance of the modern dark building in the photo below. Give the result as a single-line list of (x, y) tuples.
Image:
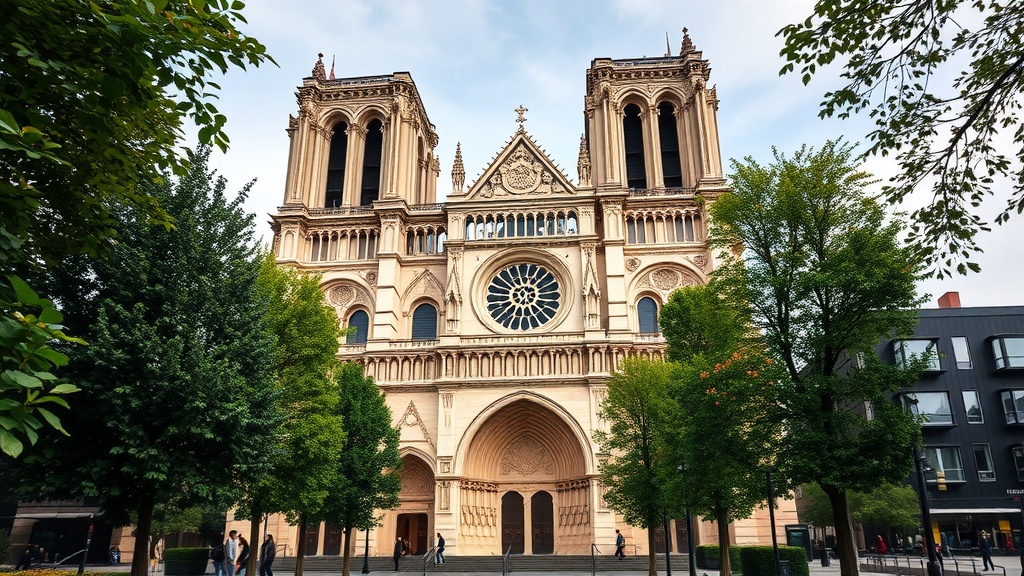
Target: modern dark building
[(971, 399)]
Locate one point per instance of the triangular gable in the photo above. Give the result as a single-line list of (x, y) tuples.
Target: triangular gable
[(521, 169), (411, 427)]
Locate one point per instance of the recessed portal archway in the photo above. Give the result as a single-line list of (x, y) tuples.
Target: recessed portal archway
[(525, 472), (414, 518)]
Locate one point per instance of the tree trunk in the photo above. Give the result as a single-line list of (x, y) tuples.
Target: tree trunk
[(347, 554), (846, 546), (252, 565), (652, 550), (300, 549), (724, 562), (140, 557)]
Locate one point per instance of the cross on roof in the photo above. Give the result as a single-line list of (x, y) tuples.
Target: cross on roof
[(521, 118)]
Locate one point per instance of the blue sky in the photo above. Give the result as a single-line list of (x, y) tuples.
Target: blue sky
[(475, 61)]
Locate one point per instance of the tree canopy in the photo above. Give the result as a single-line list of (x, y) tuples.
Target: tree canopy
[(368, 469), (178, 403), (826, 278), (942, 82)]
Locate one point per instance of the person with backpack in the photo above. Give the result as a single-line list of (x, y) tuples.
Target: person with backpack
[(217, 555), (620, 545)]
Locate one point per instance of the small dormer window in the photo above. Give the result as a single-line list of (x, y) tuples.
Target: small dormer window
[(1008, 352), (905, 351)]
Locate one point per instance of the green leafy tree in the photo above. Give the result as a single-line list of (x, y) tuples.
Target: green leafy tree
[(304, 456), (368, 469), (178, 402), (816, 509), (888, 505), (93, 96), (825, 277), (942, 83), (634, 411), (697, 320), (722, 437)]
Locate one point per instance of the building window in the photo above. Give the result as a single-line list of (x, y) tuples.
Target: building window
[(1018, 461), (946, 459), (1013, 406), (1008, 352), (336, 166), (373, 150), (671, 167), (932, 407), (633, 140), (905, 351), (983, 457), (359, 325), (962, 352), (523, 296), (647, 315), (424, 322), (972, 405)]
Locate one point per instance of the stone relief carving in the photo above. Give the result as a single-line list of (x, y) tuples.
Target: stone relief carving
[(416, 482), (665, 279), (632, 264), (447, 403), (444, 465), (521, 174), (412, 419), (444, 495), (527, 457), (700, 261)]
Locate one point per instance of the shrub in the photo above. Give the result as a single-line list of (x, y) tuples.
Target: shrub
[(707, 554), (760, 560), (186, 561)]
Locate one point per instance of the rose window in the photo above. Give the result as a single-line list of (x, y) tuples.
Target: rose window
[(523, 296)]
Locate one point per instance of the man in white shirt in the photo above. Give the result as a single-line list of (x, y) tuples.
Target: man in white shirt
[(231, 552)]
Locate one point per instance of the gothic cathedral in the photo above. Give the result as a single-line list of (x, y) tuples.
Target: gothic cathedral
[(493, 320)]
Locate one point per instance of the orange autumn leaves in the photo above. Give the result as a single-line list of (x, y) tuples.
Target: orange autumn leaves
[(731, 379)]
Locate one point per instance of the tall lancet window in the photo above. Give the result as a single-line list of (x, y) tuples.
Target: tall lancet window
[(633, 140), (671, 167), (336, 166), (373, 151)]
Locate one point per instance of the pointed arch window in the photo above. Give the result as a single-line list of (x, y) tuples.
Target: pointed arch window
[(633, 142), (671, 167), (647, 315), (373, 150), (424, 322), (359, 324), (336, 166)]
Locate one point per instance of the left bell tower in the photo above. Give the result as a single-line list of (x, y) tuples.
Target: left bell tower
[(359, 140)]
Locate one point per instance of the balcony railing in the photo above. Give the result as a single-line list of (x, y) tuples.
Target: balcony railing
[(661, 191)]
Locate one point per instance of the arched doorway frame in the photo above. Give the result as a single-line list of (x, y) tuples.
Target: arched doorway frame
[(466, 440), (386, 535)]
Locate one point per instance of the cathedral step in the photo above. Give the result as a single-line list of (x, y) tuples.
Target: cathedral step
[(469, 564)]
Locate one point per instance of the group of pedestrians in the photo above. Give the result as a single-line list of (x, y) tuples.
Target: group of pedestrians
[(232, 557), (402, 548), (33, 555)]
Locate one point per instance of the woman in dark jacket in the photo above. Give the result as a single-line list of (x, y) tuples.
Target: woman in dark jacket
[(267, 552), (243, 556)]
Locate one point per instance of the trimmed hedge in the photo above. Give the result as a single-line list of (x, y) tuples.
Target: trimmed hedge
[(707, 554), (186, 561), (760, 560)]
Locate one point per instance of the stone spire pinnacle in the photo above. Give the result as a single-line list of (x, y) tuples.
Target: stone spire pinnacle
[(668, 48), (318, 69), (458, 171), (687, 46), (583, 165)]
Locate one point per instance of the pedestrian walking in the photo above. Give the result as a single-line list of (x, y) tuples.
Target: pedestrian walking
[(399, 548), (620, 545), (439, 557), (268, 551), (25, 560), (986, 552), (243, 556), (230, 553)]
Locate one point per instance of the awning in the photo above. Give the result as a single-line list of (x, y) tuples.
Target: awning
[(49, 515), (975, 510)]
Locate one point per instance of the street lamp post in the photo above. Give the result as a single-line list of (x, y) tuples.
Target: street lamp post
[(668, 545), (1019, 496), (689, 532), (934, 568)]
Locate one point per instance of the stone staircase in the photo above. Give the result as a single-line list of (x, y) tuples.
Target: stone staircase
[(479, 564)]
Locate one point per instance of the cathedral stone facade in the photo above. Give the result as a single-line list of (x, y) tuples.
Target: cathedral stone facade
[(493, 320)]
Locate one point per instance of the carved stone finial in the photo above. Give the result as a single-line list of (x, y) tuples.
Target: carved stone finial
[(687, 46), (583, 165), (458, 171), (318, 69), (520, 118)]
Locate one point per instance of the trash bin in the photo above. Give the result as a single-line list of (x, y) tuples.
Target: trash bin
[(824, 557)]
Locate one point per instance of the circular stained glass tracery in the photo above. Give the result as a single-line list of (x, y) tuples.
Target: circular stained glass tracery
[(523, 296)]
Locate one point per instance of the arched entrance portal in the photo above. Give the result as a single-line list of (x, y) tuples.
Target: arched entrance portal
[(413, 521), (524, 485)]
